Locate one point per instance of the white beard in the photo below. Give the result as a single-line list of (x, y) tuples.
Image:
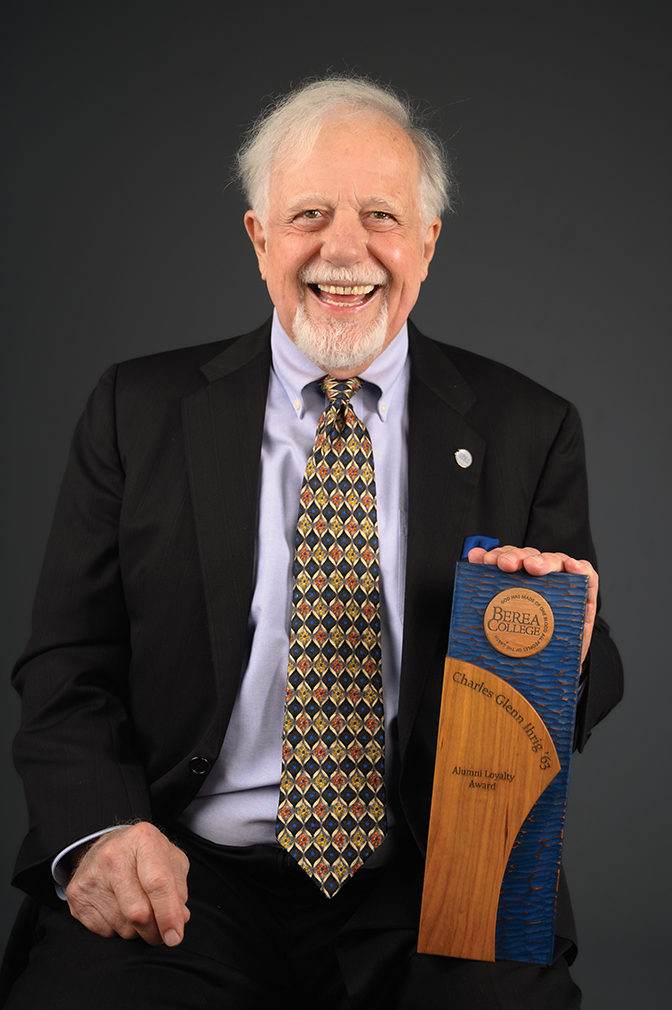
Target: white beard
[(335, 344)]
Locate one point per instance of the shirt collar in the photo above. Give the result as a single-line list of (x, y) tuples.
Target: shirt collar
[(295, 371)]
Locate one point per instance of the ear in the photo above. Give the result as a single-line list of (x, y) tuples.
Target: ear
[(429, 245), (255, 230)]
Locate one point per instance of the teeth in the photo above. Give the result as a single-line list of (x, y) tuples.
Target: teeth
[(359, 289)]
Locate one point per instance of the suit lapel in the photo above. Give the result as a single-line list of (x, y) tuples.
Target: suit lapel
[(441, 496), (223, 428)]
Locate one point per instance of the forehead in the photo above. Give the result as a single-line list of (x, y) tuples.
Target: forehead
[(369, 155)]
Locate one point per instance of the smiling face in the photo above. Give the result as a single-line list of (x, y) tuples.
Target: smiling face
[(344, 248)]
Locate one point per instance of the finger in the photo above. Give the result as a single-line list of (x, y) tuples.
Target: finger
[(543, 564), (585, 568), (510, 558), (132, 913), (164, 882), (89, 915), (107, 912)]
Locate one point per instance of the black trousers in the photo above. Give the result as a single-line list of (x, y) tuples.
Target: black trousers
[(262, 935)]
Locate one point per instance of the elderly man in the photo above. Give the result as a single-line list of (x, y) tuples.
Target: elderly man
[(230, 717)]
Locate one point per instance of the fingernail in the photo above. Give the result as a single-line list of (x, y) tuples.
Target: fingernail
[(171, 938)]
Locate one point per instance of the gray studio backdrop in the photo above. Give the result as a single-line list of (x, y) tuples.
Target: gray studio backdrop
[(124, 237)]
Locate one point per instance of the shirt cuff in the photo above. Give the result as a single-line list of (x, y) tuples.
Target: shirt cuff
[(59, 872)]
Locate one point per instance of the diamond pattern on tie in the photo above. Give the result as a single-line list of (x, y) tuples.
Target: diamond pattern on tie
[(331, 814)]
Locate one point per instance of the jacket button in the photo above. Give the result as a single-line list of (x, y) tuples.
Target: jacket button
[(199, 766)]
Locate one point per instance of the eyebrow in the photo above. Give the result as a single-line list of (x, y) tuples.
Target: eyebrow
[(319, 199), (306, 200)]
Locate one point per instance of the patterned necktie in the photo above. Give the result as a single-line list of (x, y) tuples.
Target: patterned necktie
[(331, 814)]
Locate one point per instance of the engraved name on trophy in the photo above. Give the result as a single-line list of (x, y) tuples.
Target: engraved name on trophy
[(502, 766)]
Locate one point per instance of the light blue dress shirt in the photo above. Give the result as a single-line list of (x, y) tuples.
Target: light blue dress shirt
[(237, 804)]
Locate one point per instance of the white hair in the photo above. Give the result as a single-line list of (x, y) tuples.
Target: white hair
[(294, 121)]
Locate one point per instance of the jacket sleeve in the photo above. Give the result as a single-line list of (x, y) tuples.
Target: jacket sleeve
[(559, 521), (73, 675)]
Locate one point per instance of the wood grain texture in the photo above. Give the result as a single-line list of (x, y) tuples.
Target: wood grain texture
[(488, 775)]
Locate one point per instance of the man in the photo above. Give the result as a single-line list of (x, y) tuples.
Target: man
[(154, 685)]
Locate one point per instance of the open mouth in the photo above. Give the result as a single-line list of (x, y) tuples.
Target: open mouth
[(344, 294)]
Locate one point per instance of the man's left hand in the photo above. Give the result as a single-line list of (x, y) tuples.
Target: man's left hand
[(513, 559)]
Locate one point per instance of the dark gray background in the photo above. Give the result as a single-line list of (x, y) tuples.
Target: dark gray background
[(123, 237)]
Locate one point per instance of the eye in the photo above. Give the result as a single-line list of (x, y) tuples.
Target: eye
[(381, 219), (310, 219)]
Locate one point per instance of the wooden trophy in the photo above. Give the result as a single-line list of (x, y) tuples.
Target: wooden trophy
[(502, 765)]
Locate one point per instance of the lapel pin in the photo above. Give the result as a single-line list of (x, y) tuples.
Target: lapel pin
[(464, 458)]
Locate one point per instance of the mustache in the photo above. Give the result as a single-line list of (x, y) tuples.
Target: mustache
[(344, 276)]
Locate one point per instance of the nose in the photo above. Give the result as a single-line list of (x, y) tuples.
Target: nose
[(344, 241)]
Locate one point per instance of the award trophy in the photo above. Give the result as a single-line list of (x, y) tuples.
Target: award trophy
[(502, 766)]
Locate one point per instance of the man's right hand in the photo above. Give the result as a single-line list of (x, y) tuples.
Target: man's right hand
[(133, 882)]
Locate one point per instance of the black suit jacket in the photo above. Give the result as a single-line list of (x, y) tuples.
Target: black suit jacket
[(141, 617)]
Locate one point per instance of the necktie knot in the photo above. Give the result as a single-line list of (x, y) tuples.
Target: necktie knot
[(339, 391)]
